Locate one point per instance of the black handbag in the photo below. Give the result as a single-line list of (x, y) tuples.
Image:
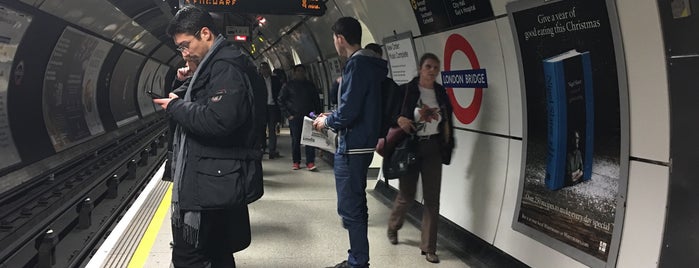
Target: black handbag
[(404, 155)]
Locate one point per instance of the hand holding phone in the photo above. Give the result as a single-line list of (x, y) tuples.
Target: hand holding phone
[(154, 95)]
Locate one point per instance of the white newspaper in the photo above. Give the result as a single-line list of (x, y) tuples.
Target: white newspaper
[(324, 139)]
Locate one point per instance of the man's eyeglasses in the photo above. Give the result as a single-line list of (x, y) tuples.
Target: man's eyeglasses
[(185, 45)]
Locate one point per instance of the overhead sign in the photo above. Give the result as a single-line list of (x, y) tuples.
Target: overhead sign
[(437, 15), (238, 33), (276, 7), (237, 30)]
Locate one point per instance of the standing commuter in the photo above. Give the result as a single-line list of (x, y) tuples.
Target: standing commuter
[(273, 113), (213, 144), (426, 112), (334, 91), (297, 99), (357, 121), (391, 94), (281, 75), (376, 48)]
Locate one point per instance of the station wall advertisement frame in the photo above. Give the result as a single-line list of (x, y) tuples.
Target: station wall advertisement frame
[(576, 127), (69, 91), (12, 29)]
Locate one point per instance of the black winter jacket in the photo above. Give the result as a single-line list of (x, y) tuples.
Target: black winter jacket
[(298, 98), (219, 125)]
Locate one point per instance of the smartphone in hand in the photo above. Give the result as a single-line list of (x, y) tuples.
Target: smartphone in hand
[(155, 95)]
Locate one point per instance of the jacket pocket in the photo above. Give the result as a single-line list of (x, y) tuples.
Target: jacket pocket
[(220, 183)]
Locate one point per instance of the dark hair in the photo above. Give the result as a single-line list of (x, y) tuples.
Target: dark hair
[(299, 66), (349, 28), (428, 56), (280, 74), (189, 20), (375, 47), (264, 63)]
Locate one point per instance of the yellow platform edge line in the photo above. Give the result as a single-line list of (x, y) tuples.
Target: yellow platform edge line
[(145, 246)]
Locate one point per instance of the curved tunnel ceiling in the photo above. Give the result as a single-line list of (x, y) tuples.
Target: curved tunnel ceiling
[(141, 25)]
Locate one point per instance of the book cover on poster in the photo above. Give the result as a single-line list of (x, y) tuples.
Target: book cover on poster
[(570, 105)]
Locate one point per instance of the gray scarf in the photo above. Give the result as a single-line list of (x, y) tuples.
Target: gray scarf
[(190, 226)]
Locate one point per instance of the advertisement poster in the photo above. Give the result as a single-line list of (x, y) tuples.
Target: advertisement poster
[(313, 74), (159, 84), (572, 174), (145, 84), (334, 68), (400, 52), (12, 28), (69, 95), (123, 87)]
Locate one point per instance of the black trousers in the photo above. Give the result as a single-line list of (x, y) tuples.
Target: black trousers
[(273, 117), (296, 127), (221, 232)]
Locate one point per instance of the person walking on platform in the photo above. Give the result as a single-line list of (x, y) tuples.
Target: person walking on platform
[(273, 113), (357, 124), (212, 148), (298, 98), (427, 113)]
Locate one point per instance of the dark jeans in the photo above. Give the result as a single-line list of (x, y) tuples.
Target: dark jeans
[(296, 125), (350, 183), (221, 232), (272, 120)]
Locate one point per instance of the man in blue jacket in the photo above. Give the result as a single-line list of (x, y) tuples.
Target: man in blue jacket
[(357, 121)]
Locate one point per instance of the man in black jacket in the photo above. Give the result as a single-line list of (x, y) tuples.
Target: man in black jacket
[(298, 98), (273, 86), (213, 147)]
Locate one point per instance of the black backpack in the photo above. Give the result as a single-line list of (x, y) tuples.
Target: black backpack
[(391, 100), (253, 187)]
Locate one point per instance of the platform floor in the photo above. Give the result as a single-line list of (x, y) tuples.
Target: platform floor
[(295, 224)]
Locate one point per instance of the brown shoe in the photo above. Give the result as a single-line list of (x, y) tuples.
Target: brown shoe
[(392, 236), (430, 257)]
